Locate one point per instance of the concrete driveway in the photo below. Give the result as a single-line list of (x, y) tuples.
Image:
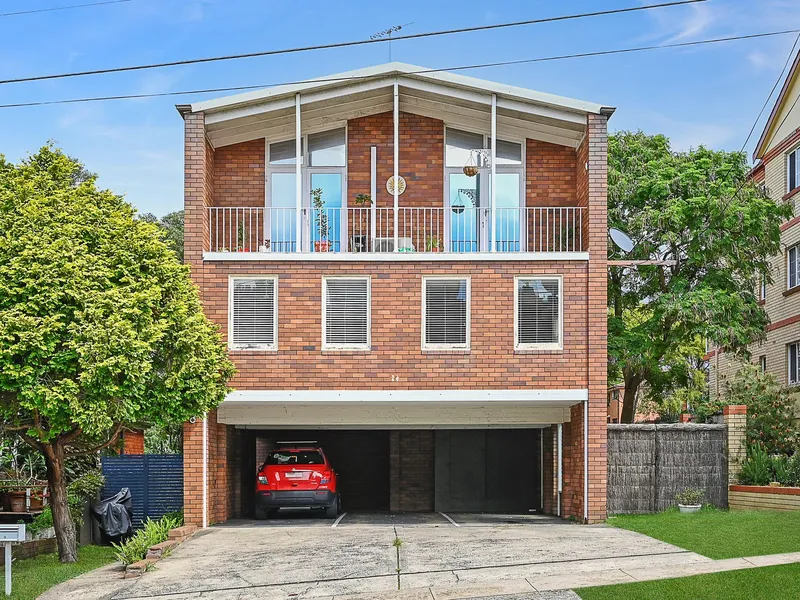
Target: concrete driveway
[(317, 558)]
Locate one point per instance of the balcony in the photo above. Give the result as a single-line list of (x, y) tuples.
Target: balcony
[(455, 230)]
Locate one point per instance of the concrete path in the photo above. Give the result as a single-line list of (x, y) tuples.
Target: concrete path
[(440, 559)]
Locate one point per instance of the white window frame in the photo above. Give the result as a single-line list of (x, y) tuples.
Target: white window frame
[(796, 153), (260, 347), (548, 346), (468, 338), (789, 370), (796, 248), (355, 347), (762, 289), (762, 363)]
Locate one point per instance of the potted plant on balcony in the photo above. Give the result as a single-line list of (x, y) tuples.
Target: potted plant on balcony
[(321, 218), (265, 246), (363, 200), (240, 238), (433, 244), (690, 500)]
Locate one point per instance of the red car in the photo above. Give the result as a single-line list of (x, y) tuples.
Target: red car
[(297, 475)]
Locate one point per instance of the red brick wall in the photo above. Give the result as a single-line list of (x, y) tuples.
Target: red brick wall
[(133, 442), (550, 175), (421, 158), (397, 360), (239, 174), (411, 470)]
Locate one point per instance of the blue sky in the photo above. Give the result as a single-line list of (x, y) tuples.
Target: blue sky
[(707, 95)]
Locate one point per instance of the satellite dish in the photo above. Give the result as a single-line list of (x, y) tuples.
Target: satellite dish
[(621, 239)]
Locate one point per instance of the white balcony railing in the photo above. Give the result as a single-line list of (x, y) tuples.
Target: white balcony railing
[(419, 229)]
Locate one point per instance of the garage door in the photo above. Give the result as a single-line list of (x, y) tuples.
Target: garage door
[(494, 470), (361, 461)]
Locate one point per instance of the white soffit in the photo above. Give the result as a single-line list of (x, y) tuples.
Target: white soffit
[(252, 108)]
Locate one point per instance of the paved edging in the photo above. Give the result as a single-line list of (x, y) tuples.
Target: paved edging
[(578, 580)]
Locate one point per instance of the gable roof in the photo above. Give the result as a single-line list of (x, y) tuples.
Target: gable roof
[(397, 70), (768, 133)]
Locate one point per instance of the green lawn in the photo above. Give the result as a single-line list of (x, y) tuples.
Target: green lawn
[(33, 576), (720, 533), (765, 583)]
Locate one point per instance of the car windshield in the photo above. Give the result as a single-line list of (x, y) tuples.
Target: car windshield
[(295, 457)]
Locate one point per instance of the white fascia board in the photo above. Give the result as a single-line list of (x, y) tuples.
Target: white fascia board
[(550, 397), (393, 256), (468, 85)]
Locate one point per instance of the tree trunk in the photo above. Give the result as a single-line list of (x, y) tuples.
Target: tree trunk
[(62, 520), (629, 398)]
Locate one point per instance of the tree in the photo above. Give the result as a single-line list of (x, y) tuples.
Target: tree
[(100, 325), (171, 226), (698, 209)]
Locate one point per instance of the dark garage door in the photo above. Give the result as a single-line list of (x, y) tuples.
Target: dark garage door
[(360, 458), (492, 470)]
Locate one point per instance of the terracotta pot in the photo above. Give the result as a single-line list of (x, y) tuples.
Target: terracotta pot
[(14, 500), (322, 246), (437, 249), (37, 500)]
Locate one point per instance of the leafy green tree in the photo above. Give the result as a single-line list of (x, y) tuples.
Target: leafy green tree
[(171, 226), (697, 209), (101, 327)]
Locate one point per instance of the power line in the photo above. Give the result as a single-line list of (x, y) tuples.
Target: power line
[(420, 71), (347, 44), (55, 8)]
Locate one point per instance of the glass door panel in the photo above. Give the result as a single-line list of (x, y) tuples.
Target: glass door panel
[(508, 212), (464, 201), (281, 217), (328, 227)]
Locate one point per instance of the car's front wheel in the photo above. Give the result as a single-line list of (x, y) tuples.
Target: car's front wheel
[(334, 509)]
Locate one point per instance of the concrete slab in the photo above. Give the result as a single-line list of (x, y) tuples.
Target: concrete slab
[(503, 588), (387, 519), (494, 520)]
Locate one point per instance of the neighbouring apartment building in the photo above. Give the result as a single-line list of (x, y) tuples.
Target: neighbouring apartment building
[(777, 167), (409, 267)]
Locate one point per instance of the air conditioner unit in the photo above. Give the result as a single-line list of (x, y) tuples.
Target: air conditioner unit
[(386, 244)]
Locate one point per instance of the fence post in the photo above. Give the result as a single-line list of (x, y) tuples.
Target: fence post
[(735, 419)]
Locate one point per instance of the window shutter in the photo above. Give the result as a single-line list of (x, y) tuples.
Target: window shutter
[(446, 312), (538, 307), (347, 312), (253, 312)]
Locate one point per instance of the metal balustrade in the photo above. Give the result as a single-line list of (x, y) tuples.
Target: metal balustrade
[(419, 229)]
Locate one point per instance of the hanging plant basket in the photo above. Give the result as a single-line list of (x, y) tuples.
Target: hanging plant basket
[(471, 168)]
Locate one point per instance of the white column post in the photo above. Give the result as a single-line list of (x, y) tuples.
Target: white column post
[(8, 568), (205, 471), (560, 467), (492, 195), (298, 173), (396, 163), (373, 193), (585, 461)]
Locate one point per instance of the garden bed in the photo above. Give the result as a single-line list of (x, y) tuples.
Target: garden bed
[(762, 497)]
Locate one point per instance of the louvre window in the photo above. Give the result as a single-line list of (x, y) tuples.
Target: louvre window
[(253, 313), (446, 313), (538, 313), (346, 313)]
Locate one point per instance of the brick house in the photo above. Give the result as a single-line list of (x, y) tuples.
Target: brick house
[(777, 167), (444, 340)]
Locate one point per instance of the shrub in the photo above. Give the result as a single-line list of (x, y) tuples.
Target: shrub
[(793, 470), (690, 496), (42, 521), (87, 486), (770, 410), (152, 533), (757, 467), (780, 469)]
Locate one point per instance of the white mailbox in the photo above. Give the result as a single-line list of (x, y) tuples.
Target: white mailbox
[(12, 533), (9, 534)]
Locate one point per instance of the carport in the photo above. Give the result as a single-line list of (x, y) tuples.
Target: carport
[(420, 451)]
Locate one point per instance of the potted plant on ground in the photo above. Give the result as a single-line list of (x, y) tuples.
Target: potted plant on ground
[(433, 244), (321, 218), (690, 500)]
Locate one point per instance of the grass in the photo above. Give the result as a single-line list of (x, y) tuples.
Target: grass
[(764, 583), (720, 533), (34, 576)]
